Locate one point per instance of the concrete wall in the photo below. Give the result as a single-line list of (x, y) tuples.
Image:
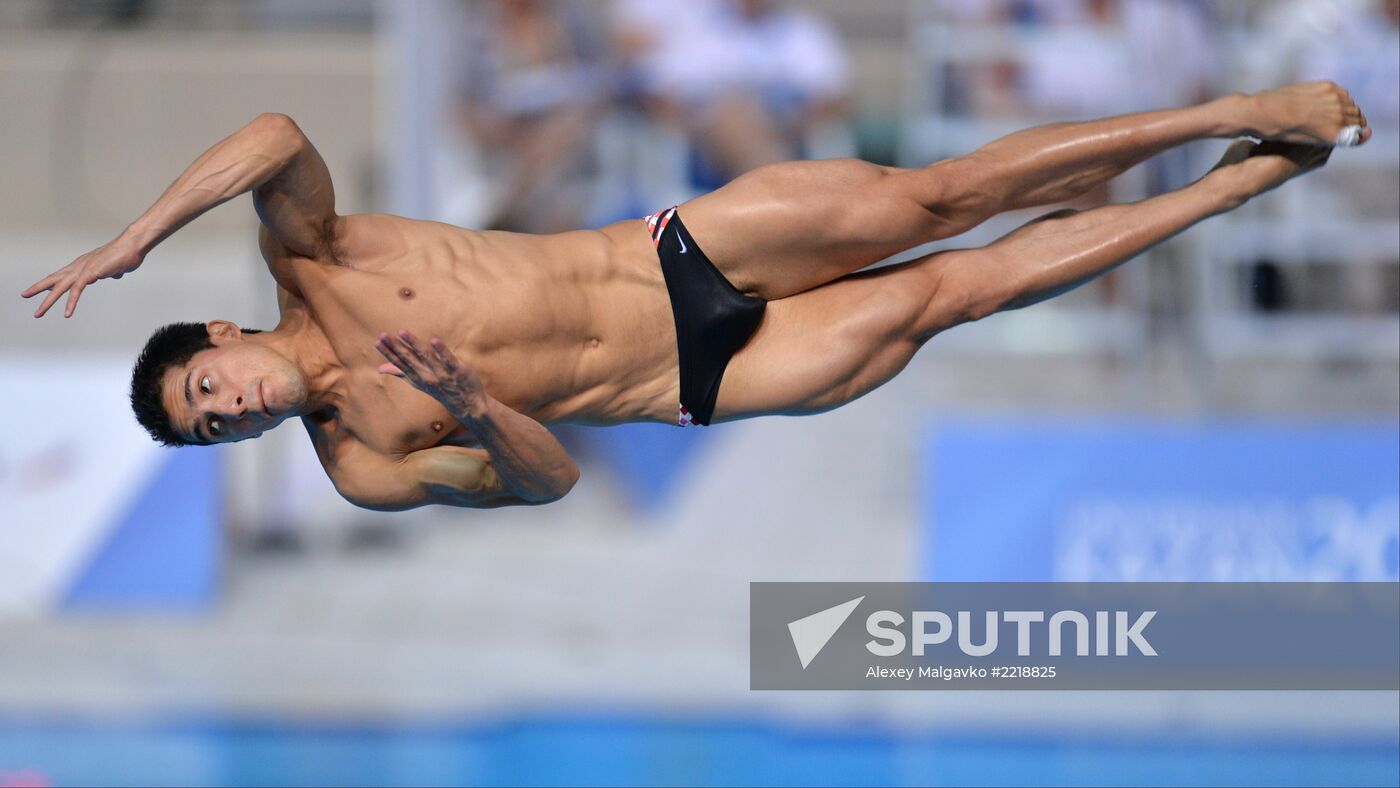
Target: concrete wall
[(96, 125)]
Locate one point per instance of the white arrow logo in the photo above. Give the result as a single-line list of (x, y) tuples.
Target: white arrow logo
[(810, 634)]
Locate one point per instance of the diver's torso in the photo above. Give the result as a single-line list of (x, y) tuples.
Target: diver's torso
[(573, 327)]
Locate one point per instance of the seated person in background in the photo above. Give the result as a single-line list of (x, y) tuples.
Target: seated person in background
[(530, 91), (745, 79)]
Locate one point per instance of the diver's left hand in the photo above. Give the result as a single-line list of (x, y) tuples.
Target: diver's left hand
[(112, 260), (435, 371)]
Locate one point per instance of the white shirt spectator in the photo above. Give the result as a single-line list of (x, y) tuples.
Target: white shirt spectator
[(1151, 54), (1361, 52), (702, 48)]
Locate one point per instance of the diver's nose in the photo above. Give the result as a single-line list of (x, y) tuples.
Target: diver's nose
[(238, 408)]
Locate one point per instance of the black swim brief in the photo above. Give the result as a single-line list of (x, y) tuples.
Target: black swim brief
[(713, 319)]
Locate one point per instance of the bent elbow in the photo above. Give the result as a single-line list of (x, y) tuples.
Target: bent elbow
[(278, 122), (570, 480), (281, 128), (378, 504), (560, 487)]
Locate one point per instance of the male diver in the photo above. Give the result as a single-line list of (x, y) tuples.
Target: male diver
[(424, 359)]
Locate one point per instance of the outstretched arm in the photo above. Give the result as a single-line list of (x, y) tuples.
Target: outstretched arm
[(519, 461), (270, 157)]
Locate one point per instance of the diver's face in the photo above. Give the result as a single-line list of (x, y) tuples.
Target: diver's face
[(232, 391)]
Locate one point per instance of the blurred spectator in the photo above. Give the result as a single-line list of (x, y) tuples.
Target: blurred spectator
[(1110, 57), (747, 80), (1115, 56), (1087, 58), (530, 90), (1359, 48), (1355, 42)]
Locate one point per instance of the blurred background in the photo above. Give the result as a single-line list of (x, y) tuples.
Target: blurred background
[(220, 616)]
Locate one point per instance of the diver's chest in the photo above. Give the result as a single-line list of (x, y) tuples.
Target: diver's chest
[(392, 417)]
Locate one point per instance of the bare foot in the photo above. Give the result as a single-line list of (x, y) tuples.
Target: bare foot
[(1311, 113), (1250, 169)]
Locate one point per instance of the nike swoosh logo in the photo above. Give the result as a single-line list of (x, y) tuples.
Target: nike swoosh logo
[(682, 240)]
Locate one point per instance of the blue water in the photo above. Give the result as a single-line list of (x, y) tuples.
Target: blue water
[(634, 750)]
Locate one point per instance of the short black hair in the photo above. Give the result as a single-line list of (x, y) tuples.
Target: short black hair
[(170, 346)]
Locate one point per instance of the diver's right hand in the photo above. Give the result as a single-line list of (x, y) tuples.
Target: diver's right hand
[(112, 260)]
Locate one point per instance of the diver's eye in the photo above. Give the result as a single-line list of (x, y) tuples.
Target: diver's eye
[(204, 384), (216, 428)]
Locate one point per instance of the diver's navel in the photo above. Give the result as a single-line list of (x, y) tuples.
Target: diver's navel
[(406, 293), (437, 426)]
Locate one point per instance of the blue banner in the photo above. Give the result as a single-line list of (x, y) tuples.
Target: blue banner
[(1138, 502)]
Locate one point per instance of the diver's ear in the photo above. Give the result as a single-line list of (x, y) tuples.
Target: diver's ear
[(223, 330)]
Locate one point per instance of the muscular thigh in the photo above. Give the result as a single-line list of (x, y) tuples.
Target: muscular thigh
[(827, 346), (787, 228)]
